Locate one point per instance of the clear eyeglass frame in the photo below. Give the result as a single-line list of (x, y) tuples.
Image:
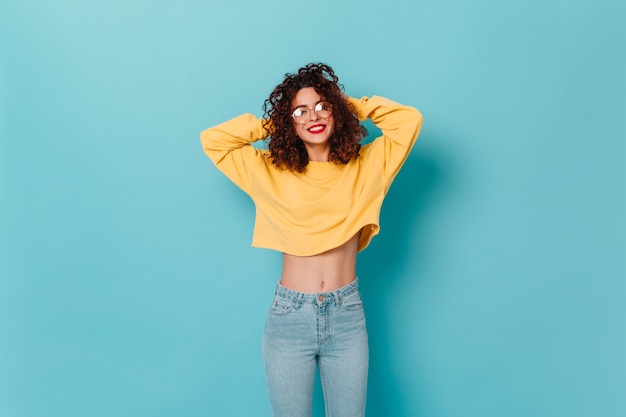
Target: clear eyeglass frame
[(302, 115)]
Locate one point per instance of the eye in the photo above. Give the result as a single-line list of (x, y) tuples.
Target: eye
[(323, 106), (299, 112)]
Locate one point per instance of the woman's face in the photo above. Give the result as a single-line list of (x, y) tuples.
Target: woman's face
[(315, 126)]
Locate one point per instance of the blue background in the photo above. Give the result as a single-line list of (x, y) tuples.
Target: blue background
[(128, 286)]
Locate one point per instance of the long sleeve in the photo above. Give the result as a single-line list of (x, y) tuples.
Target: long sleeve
[(228, 145), (400, 126)]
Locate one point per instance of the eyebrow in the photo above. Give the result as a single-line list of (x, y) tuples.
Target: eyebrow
[(304, 105)]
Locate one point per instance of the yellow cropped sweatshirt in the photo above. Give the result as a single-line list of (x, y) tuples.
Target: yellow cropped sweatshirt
[(308, 213)]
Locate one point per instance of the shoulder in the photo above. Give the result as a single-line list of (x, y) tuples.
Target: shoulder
[(371, 149)]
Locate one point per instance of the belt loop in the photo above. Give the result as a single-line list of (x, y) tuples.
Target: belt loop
[(337, 299)]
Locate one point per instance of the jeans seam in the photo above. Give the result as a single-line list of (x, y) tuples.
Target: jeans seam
[(323, 381)]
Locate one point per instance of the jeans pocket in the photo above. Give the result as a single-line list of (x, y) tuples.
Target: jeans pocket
[(352, 302), (282, 306)]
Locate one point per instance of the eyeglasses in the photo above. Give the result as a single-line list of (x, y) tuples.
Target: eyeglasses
[(302, 114)]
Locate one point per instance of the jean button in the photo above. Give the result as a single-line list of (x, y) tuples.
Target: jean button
[(320, 298)]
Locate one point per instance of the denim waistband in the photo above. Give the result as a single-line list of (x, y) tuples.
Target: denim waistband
[(302, 297)]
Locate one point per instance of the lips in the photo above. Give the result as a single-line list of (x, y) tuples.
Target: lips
[(317, 129)]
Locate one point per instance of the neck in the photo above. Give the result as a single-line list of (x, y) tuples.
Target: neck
[(319, 154)]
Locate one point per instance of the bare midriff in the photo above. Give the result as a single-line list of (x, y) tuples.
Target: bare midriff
[(324, 272)]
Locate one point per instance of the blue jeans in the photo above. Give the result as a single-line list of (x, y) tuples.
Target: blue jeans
[(325, 330)]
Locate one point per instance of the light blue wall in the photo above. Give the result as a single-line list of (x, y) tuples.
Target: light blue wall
[(128, 288)]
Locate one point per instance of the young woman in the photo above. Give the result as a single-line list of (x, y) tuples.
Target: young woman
[(318, 195)]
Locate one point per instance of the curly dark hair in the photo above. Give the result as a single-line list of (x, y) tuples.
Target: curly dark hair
[(286, 148)]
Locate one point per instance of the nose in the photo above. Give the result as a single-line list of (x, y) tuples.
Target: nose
[(313, 116)]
